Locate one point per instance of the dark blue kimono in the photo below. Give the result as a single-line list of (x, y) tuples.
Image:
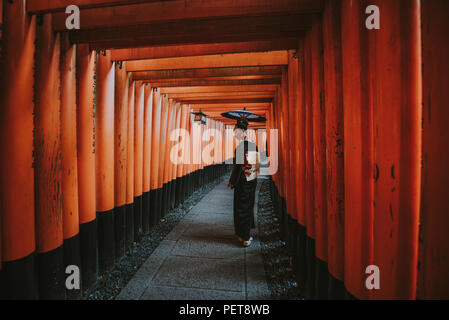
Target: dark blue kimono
[(244, 192)]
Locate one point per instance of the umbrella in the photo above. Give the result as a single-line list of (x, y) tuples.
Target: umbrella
[(244, 114)]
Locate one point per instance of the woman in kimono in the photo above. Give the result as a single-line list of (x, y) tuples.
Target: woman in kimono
[(244, 181)]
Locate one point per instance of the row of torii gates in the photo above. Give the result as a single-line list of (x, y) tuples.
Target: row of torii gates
[(361, 153)]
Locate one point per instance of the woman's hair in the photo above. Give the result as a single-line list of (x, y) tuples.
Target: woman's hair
[(242, 124)]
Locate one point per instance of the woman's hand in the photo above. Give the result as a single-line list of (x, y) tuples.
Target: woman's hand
[(230, 185)]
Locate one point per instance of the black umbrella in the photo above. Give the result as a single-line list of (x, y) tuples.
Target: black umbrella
[(244, 115)]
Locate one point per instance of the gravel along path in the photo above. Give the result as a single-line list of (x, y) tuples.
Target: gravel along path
[(110, 285), (278, 263)]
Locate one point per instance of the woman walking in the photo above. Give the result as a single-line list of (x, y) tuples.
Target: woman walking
[(244, 181)]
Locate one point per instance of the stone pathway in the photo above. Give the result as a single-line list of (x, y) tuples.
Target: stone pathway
[(201, 259)]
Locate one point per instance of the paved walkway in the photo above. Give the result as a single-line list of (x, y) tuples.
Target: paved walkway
[(201, 259)]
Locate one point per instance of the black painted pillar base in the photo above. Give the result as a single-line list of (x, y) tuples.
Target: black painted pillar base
[(291, 240), (120, 231), (195, 181), (164, 200), (188, 183), (106, 241), (283, 220), (321, 276), (129, 224), (349, 296), (301, 256), (173, 194), (72, 257), (159, 194), (146, 212), (137, 218), (310, 268), (152, 214), (336, 288), (89, 253), (178, 188), (169, 193), (19, 279), (185, 190), (51, 274)]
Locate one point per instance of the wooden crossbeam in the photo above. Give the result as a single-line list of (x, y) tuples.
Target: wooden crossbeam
[(207, 73), (201, 82), (193, 31), (249, 88), (163, 11), (202, 49), (191, 39), (249, 96), (207, 95), (237, 100), (270, 58), (231, 106), (42, 6)]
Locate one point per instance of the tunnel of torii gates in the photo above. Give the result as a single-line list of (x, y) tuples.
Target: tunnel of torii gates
[(362, 146)]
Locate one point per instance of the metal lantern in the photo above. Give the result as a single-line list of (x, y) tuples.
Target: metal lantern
[(200, 117)]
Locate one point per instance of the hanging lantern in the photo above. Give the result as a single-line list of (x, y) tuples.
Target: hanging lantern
[(200, 117)]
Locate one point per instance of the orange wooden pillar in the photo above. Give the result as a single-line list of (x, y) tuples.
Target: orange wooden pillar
[(85, 134), (215, 152), (17, 272), (182, 154), (433, 279), (358, 149), (202, 144), (309, 162), (214, 148), (291, 178), (172, 167), (139, 105), (104, 160), (155, 143), (191, 141), (168, 163), (175, 166), (208, 151), (130, 166), (229, 144), (319, 159), (69, 153), (397, 97), (120, 156), (190, 166), (147, 124), (166, 159), (48, 164), (170, 143), (222, 148), (162, 142), (277, 175), (333, 99), (285, 155), (300, 173), (193, 147)]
